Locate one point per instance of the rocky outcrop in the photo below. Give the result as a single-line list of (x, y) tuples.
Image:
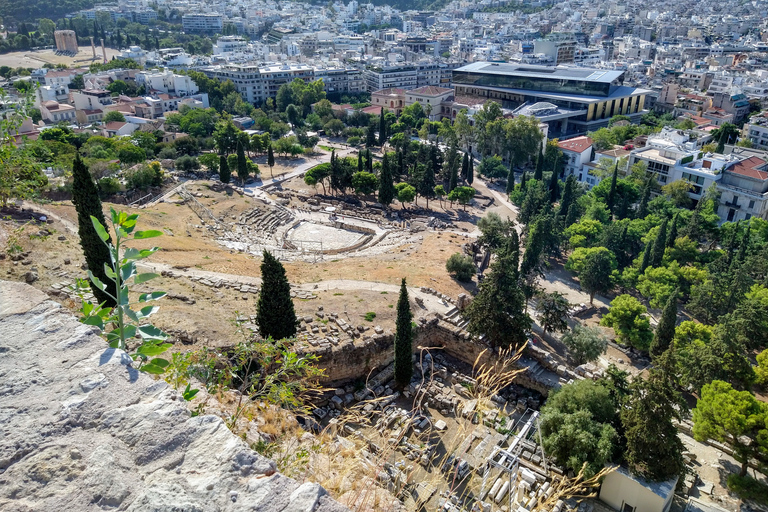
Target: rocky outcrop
[(81, 430)]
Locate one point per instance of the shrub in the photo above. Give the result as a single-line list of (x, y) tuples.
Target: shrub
[(353, 141), (109, 186), (369, 316), (187, 163), (461, 267), (747, 488), (167, 153)]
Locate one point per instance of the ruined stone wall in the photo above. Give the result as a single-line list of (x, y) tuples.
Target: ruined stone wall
[(351, 361)]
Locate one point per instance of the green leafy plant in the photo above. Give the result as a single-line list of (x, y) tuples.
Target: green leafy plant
[(370, 316), (126, 328)]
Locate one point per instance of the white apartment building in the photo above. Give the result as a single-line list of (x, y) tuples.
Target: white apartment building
[(168, 82), (577, 152), (230, 44), (387, 77), (257, 83), (201, 22), (756, 130)]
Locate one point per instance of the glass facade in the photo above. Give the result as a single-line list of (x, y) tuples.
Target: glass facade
[(554, 84)]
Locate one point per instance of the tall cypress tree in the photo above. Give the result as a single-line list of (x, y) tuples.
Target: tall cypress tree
[(471, 171), (524, 181), (573, 215), (360, 161), (539, 172), (242, 164), (370, 136), (369, 161), (612, 191), (568, 193), (659, 245), (85, 196), (275, 315), (672, 235), (271, 158), (225, 175), (386, 183), (745, 243), (665, 331), (646, 261), (554, 189), (427, 184), (465, 167), (403, 339), (453, 180), (382, 127), (510, 179), (642, 211)]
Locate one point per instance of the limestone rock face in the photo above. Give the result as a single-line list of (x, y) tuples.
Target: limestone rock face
[(80, 430)]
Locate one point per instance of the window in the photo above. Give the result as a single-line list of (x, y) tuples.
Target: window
[(751, 204), (627, 508)]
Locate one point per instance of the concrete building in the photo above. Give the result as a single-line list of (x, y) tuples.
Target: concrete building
[(66, 41), (431, 99), (168, 82), (393, 99), (560, 47), (576, 153), (586, 98), (756, 130), (743, 190), (388, 77), (627, 493), (207, 23), (257, 83)]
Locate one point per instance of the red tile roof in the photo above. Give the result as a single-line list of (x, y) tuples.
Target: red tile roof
[(577, 144), (430, 90), (373, 110), (114, 125), (753, 167)]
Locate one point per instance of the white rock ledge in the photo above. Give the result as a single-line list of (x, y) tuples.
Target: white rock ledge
[(79, 431)]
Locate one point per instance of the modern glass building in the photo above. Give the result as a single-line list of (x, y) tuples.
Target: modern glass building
[(588, 97)]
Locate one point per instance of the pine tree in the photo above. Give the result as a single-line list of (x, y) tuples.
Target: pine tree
[(612, 191), (242, 165), (271, 158), (85, 196), (554, 189), (657, 255), (465, 167), (382, 127), (275, 315), (646, 261), (225, 175), (568, 193), (539, 172), (386, 183), (510, 179), (403, 339), (672, 235), (665, 331), (471, 171)]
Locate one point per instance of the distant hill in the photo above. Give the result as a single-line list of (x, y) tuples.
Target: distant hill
[(30, 10)]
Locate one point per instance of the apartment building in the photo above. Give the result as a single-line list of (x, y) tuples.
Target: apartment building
[(388, 77), (200, 22), (744, 190), (756, 130), (257, 83), (168, 82), (431, 99), (577, 152)]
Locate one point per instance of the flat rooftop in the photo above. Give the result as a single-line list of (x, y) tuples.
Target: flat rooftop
[(552, 72)]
